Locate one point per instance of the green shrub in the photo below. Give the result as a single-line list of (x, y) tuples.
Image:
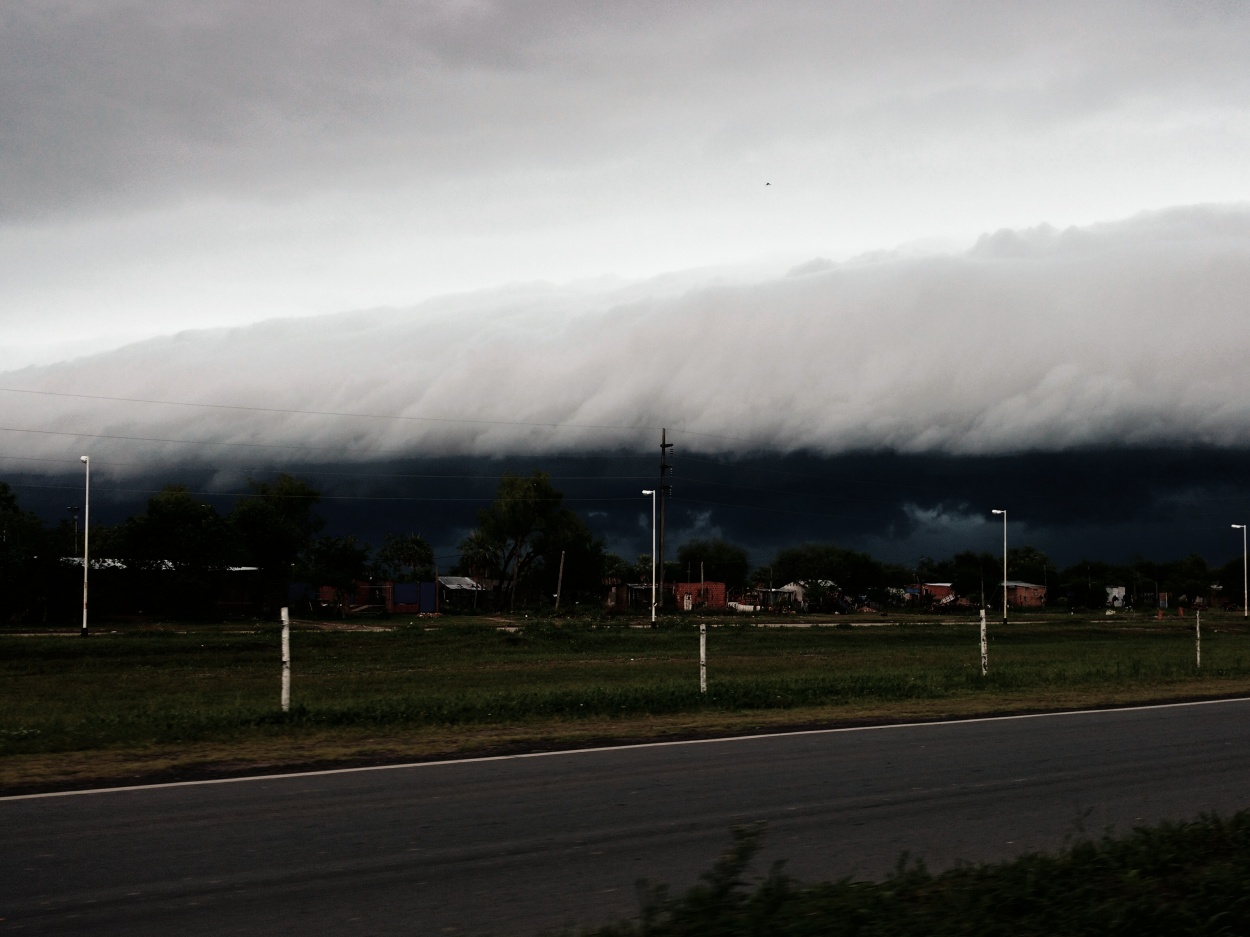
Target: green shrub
[(1178, 878)]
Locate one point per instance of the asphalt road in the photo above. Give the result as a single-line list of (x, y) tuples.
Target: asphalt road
[(520, 845)]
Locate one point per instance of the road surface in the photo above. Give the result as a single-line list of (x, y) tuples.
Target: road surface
[(524, 844)]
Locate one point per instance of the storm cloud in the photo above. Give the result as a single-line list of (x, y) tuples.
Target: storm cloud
[(1127, 334)]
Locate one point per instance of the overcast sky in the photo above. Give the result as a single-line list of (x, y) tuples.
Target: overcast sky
[(196, 163)]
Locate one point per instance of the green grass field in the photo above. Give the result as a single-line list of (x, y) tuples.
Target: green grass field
[(146, 694)]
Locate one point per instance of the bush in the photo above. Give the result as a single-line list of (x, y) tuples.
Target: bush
[(1178, 878)]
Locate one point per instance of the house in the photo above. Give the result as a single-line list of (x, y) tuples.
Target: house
[(764, 598), (695, 595), (931, 593), (1024, 594), (803, 594), (628, 595)]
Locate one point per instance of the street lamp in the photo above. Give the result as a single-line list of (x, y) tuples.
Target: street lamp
[(1245, 579), (1004, 514), (86, 534), (651, 492)]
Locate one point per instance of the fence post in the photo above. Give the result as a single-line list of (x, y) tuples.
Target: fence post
[(985, 660), (286, 661), (703, 657)]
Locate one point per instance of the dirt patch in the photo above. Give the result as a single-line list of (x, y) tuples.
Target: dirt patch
[(314, 625)]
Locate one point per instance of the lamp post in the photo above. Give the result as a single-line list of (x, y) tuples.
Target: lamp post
[(1004, 514), (86, 535), (651, 492), (1245, 579)]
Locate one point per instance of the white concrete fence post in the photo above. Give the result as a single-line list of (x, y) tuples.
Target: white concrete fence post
[(286, 661), (703, 657), (985, 659)]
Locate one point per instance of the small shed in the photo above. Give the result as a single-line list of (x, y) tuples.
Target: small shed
[(459, 591)]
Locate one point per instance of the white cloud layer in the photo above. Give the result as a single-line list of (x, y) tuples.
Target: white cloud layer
[(1123, 333)]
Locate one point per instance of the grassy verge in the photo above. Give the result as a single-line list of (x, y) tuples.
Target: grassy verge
[(1187, 878), (172, 700)]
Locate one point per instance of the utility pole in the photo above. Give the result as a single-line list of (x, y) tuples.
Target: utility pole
[(559, 581), (663, 492)]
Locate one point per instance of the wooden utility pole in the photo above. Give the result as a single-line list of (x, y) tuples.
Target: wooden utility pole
[(663, 494)]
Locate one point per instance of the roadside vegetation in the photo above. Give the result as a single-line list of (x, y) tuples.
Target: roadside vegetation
[(184, 693), (1181, 878)]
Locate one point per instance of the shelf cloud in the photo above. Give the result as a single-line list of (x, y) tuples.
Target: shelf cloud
[(1130, 333)]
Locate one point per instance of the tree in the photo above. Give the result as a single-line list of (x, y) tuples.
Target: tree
[(854, 573), (176, 531), (337, 562), (1084, 584), (585, 559), (275, 525), (176, 553), (1230, 578), (508, 532), (1029, 564), (405, 558), (972, 575), (481, 556), (25, 554), (616, 567), (721, 561)]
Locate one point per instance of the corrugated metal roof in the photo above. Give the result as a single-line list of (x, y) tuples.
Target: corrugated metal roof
[(461, 582)]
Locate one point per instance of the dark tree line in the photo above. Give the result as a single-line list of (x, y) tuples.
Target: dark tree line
[(176, 556)]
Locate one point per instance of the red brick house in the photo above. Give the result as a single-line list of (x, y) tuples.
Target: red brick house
[(1025, 594), (693, 595)]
